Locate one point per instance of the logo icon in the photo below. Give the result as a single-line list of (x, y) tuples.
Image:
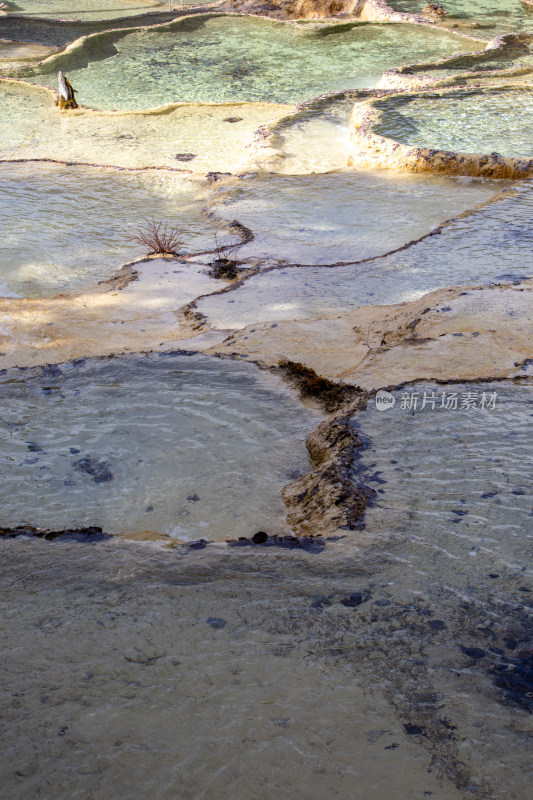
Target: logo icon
[(384, 400)]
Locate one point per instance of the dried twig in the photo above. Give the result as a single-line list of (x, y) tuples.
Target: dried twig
[(159, 239)]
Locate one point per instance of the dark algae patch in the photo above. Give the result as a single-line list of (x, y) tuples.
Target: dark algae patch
[(331, 396)]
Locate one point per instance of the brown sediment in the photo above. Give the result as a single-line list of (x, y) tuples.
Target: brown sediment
[(126, 275), (147, 536), (371, 150), (364, 10)]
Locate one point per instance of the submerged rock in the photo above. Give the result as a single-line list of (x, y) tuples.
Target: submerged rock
[(311, 544), (474, 652), (413, 730), (216, 622), (515, 677), (98, 470), (356, 599), (89, 535)]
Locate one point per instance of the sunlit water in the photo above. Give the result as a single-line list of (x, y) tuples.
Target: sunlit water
[(514, 54), (206, 59), (494, 243), (344, 216), (489, 16), (479, 122), (210, 137), (14, 54), (313, 139), (67, 228), (468, 512), (189, 446)]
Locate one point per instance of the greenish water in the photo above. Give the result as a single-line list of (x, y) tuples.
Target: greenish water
[(476, 122), (56, 237), (205, 59), (513, 54), (492, 16)]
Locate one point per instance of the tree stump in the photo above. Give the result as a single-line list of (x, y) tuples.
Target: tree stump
[(66, 94)]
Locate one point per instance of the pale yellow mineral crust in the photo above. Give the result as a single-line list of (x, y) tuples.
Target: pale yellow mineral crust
[(460, 333)]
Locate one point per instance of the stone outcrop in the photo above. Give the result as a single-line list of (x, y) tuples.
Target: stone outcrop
[(328, 498)]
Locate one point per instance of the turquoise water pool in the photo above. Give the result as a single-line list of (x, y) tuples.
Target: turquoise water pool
[(204, 59)]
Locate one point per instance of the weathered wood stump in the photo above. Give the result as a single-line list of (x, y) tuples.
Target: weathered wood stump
[(66, 94)]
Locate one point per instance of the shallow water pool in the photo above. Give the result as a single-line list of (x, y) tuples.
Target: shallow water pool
[(194, 447), (490, 17), (221, 59), (475, 122), (82, 219), (344, 216), (467, 513), (492, 244)]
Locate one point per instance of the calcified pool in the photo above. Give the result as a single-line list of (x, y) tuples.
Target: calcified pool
[(468, 121), (70, 240), (464, 517), (86, 10), (15, 54), (515, 54), (467, 512), (221, 59), (190, 137), (344, 216), (491, 244), (313, 138), (189, 446), (489, 17)]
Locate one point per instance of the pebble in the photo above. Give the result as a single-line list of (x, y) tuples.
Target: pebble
[(216, 622)]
